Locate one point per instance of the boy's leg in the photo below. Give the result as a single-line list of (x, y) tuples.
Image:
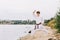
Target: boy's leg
[(43, 28), (32, 32), (37, 26)]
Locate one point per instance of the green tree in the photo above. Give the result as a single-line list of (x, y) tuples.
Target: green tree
[(57, 26)]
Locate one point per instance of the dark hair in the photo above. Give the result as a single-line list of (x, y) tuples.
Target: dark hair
[(38, 12)]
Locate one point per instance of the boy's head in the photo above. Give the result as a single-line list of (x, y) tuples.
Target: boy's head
[(38, 13)]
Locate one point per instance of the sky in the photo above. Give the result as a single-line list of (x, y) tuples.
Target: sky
[(23, 9)]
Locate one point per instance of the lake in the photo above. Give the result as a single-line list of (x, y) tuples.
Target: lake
[(14, 32)]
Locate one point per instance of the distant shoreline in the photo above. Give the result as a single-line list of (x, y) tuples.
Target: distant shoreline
[(17, 22)]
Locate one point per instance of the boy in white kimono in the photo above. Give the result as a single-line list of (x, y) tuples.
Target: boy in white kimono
[(39, 21)]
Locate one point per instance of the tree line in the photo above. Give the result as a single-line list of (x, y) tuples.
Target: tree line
[(17, 22), (54, 22)]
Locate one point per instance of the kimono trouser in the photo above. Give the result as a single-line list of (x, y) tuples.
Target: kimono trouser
[(41, 27)]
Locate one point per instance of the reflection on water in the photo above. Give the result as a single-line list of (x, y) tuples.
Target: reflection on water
[(13, 32)]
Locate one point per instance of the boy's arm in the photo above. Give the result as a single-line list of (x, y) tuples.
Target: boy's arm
[(42, 21)]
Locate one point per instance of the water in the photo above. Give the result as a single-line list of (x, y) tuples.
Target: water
[(14, 32)]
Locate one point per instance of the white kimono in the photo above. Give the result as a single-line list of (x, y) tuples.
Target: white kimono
[(39, 20), (41, 27)]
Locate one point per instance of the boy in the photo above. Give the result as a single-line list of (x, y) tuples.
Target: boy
[(39, 21), (38, 18)]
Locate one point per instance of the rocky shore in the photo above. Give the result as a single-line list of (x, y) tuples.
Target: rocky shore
[(40, 35)]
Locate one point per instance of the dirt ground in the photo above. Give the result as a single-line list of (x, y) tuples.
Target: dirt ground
[(39, 35)]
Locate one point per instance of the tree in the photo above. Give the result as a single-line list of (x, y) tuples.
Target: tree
[(46, 22), (57, 26), (52, 23)]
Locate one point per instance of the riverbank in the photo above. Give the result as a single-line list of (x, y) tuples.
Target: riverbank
[(39, 35)]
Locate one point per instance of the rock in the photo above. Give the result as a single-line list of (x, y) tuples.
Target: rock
[(50, 39), (39, 35)]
